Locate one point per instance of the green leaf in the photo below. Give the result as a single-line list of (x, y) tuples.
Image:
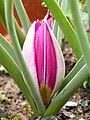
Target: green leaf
[(72, 73), (65, 26), (58, 101), (55, 26), (59, 32), (20, 35), (80, 30), (8, 47), (28, 78), (88, 9), (22, 15), (2, 14), (16, 74)]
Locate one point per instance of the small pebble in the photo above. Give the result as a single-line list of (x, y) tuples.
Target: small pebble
[(81, 119), (23, 103), (70, 104)]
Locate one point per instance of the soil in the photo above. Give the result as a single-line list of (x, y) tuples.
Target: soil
[(14, 102)]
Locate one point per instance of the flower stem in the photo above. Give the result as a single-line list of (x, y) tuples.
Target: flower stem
[(22, 15)]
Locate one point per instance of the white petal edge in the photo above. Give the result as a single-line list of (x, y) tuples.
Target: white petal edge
[(28, 53)]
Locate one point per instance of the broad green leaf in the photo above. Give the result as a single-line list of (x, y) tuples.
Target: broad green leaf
[(65, 26), (16, 74)]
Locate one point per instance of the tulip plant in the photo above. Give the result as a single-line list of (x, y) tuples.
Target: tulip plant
[(34, 59)]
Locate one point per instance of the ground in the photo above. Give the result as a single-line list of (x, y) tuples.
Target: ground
[(15, 103)]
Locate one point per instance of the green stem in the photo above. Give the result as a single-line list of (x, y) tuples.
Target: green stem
[(58, 102), (28, 78), (59, 32), (65, 26), (22, 14), (55, 26), (21, 36), (81, 33)]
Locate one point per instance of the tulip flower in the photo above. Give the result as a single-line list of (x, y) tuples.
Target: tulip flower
[(44, 58)]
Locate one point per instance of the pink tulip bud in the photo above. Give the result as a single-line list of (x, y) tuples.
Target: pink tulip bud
[(44, 58)]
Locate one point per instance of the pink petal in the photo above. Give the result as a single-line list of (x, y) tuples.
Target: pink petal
[(60, 62), (48, 18), (39, 52), (45, 57)]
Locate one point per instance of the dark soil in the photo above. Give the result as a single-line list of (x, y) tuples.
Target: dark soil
[(15, 104)]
